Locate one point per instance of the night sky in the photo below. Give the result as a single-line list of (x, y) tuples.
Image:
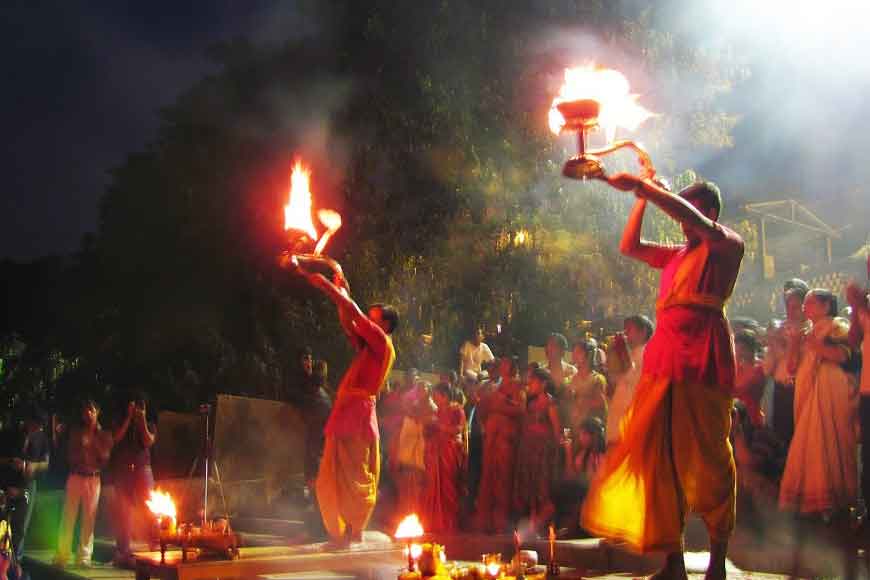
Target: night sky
[(83, 85), (84, 82)]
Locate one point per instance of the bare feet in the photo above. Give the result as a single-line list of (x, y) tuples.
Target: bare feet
[(674, 568)]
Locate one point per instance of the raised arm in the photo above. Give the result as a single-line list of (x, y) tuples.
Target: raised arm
[(349, 312), (146, 435), (673, 205), (632, 245), (121, 431)]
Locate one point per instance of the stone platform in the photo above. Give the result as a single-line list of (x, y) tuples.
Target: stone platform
[(376, 559)]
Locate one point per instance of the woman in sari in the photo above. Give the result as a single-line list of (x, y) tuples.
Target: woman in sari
[(445, 458), (536, 457), (587, 392), (820, 475)]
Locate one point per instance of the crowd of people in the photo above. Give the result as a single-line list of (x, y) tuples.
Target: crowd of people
[(499, 446), (492, 447)]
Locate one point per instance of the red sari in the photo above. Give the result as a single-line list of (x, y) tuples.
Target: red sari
[(536, 460), (500, 439), (444, 460)]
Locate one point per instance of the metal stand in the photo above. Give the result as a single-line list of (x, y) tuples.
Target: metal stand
[(206, 458)]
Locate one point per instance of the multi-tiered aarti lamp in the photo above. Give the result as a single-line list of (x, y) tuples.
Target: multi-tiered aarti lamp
[(594, 98)]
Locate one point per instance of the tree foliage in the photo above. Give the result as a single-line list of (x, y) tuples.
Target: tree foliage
[(425, 126)]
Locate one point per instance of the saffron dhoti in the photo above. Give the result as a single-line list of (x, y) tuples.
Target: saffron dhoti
[(347, 483), (675, 457)]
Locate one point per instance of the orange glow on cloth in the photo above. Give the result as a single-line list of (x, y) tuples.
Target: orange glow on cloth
[(675, 457)]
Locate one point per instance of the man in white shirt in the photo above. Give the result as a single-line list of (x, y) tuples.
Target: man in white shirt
[(474, 353), (561, 371)]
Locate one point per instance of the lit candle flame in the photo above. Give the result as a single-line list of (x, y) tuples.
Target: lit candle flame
[(161, 505), (610, 88), (410, 527)]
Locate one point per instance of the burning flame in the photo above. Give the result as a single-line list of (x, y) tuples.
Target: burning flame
[(410, 527), (493, 569), (161, 505), (331, 220), (297, 212), (610, 89)]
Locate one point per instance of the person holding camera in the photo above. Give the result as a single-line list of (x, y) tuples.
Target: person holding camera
[(131, 471), (25, 455)]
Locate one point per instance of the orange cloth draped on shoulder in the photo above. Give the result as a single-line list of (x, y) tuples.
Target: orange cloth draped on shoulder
[(347, 481), (444, 460), (675, 456)]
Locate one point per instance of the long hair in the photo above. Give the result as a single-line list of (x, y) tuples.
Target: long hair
[(595, 427)]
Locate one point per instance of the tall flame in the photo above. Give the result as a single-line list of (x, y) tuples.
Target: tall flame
[(297, 212), (410, 527), (161, 504), (610, 88)]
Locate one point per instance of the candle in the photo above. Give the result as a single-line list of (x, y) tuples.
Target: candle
[(552, 566), (492, 565)]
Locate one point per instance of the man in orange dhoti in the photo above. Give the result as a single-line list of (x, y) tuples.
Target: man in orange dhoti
[(347, 481), (675, 456)]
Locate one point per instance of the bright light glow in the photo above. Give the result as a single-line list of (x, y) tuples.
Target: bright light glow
[(161, 505), (331, 220), (493, 569), (410, 527), (297, 212), (610, 88)]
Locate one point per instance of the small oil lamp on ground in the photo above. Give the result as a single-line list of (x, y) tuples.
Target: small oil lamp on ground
[(217, 537), (165, 514), (552, 566), (593, 98), (301, 230), (492, 566), (409, 530)]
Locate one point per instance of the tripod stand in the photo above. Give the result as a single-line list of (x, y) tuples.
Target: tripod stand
[(205, 458)]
